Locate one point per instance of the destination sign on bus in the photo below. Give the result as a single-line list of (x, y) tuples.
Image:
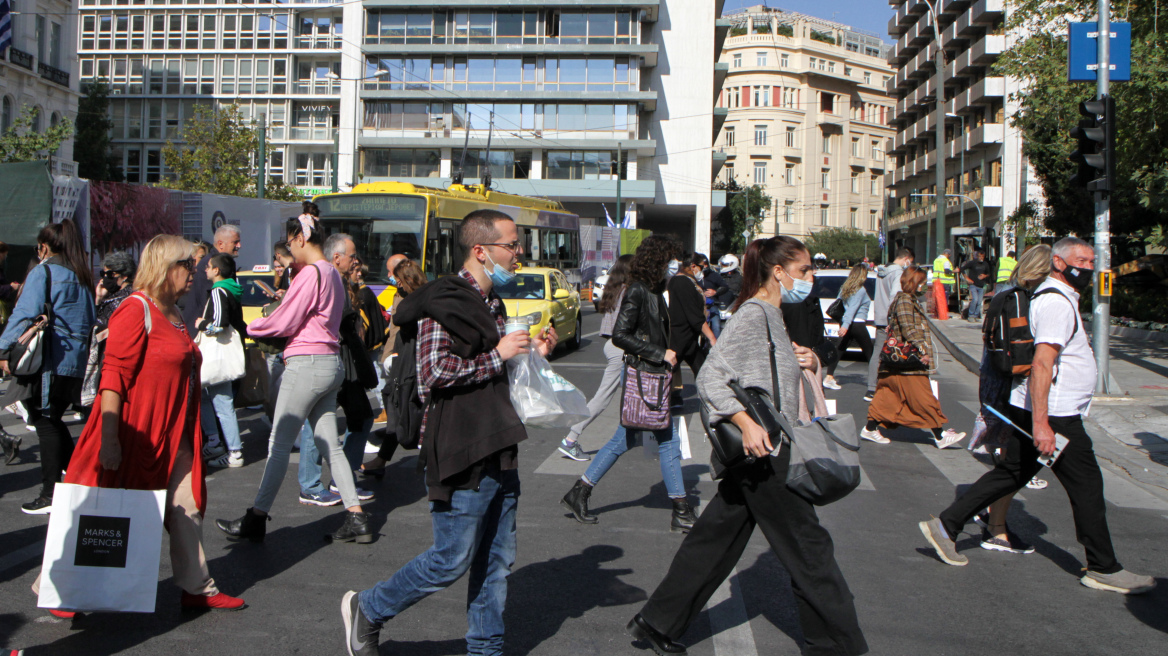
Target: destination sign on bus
[(374, 206)]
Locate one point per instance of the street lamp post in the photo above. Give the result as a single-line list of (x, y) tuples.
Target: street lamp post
[(961, 174), (356, 119), (939, 131)]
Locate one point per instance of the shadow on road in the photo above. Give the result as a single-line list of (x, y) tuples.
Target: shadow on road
[(1149, 608)]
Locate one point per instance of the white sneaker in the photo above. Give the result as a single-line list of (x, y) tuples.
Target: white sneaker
[(232, 459), (829, 383), (874, 436), (18, 410), (949, 438)]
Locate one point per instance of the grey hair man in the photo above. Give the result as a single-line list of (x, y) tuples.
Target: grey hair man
[(341, 252), (1048, 407)]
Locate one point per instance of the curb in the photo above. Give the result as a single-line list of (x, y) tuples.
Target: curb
[(964, 358)]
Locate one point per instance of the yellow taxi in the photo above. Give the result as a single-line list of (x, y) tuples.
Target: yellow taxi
[(542, 295), (259, 287)]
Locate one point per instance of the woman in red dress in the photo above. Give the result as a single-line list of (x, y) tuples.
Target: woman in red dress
[(146, 434)]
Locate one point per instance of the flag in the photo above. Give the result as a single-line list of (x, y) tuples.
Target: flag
[(5, 25), (628, 222), (881, 238), (607, 217)]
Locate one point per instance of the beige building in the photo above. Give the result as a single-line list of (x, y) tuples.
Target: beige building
[(807, 118)]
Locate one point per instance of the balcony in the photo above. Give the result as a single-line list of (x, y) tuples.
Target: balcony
[(721, 69), (20, 58), (717, 159), (985, 12), (317, 43), (988, 49), (987, 89), (990, 133), (721, 31), (829, 118), (720, 115), (53, 74)]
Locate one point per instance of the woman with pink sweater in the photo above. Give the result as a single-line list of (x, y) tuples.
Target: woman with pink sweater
[(309, 317)]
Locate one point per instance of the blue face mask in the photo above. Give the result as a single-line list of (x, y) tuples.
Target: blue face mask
[(798, 293), (498, 275), (393, 281)]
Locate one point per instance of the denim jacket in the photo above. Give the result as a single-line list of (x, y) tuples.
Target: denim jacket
[(856, 308), (73, 317)]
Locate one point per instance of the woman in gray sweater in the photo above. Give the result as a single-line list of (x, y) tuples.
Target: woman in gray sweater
[(775, 271)]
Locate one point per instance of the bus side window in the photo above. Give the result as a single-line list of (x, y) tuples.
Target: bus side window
[(441, 253)]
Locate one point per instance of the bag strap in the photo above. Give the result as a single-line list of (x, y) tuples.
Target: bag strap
[(771, 354), (147, 320), (660, 392)]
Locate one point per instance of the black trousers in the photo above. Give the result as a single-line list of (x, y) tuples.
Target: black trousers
[(757, 495), (1076, 469), (858, 333), (55, 441), (693, 355)]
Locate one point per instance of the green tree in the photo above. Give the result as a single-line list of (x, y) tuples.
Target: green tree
[(21, 143), (1049, 109), (218, 156), (91, 147), (843, 244), (744, 209)]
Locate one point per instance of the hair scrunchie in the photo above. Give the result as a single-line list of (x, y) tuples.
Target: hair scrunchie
[(306, 225)]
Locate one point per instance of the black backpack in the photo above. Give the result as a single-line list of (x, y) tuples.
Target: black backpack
[(1009, 342), (402, 389)]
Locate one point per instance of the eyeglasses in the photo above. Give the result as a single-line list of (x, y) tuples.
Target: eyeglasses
[(513, 246), (188, 264)]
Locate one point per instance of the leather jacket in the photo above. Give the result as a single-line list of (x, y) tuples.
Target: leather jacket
[(642, 329)]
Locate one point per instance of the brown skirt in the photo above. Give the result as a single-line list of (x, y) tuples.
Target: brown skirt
[(902, 400)]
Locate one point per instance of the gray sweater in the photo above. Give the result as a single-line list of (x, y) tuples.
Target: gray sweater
[(740, 356), (887, 286)]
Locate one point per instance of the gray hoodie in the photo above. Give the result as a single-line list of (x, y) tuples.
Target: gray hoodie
[(887, 285)]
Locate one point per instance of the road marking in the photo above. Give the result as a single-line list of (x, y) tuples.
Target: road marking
[(1125, 494), (587, 335), (865, 482), (957, 465), (729, 623), (21, 556)]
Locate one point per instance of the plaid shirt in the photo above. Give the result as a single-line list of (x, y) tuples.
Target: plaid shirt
[(906, 321), (438, 367)]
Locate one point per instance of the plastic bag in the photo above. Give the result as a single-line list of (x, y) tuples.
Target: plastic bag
[(543, 398)]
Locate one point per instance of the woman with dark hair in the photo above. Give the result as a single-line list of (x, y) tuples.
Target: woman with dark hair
[(117, 282), (610, 382), (63, 281), (904, 397), (310, 317), (775, 271), (642, 332), (853, 326), (687, 319)]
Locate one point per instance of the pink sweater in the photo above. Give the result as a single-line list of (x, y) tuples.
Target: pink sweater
[(310, 315)]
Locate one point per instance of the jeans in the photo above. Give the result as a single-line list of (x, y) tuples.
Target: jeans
[(610, 384), (874, 361), (474, 531), (219, 401), (1001, 287), (976, 294), (715, 321), (308, 391), (308, 472), (668, 449)]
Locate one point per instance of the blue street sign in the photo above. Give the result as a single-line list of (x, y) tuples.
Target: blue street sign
[(1083, 52)]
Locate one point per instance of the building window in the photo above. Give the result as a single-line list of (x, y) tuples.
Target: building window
[(729, 137), (760, 173), (811, 63), (995, 173), (790, 136), (827, 103), (789, 211), (855, 182), (876, 149), (313, 169), (874, 186), (785, 61), (728, 169), (762, 96), (760, 135), (789, 174), (581, 165), (848, 71), (823, 212), (760, 58), (401, 163), (825, 178), (826, 145), (852, 217), (738, 60), (867, 77), (872, 220), (855, 146)]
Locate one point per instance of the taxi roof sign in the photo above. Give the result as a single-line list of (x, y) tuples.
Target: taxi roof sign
[(262, 268)]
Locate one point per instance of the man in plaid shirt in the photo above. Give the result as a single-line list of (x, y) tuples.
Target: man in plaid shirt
[(470, 436)]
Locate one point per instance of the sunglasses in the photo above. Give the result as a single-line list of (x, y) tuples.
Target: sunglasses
[(188, 264), (109, 274)]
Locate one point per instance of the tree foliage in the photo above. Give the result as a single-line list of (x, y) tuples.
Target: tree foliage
[(21, 143), (123, 215), (843, 244), (745, 207), (1049, 109), (218, 156), (91, 147)]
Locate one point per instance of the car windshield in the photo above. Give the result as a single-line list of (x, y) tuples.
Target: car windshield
[(258, 291), (828, 286), (525, 286)]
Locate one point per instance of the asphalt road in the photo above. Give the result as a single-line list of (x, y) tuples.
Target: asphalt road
[(574, 587)]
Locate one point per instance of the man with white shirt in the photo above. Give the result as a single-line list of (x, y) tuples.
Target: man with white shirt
[(1052, 400)]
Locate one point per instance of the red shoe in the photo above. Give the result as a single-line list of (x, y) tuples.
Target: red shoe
[(218, 601), (63, 614)]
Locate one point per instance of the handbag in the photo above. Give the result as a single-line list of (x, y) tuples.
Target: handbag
[(254, 387), (27, 356), (899, 355), (645, 401), (824, 460), (835, 311), (93, 365), (223, 359), (102, 549)]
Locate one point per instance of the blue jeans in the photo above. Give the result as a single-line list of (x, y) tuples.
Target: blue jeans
[(715, 321), (219, 401), (975, 300), (668, 450), (308, 472), (474, 531)]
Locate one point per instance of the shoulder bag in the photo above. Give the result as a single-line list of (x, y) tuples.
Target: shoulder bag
[(898, 355), (93, 366), (30, 351), (645, 401), (836, 311), (825, 452)]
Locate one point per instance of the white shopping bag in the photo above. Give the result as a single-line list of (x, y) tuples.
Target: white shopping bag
[(830, 406), (936, 391), (683, 434), (102, 549)]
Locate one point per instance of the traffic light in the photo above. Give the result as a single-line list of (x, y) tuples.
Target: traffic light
[(1096, 148)]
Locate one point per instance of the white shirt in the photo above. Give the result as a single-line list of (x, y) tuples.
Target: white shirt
[(1053, 318)]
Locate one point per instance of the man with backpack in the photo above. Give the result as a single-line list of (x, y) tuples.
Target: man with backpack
[(470, 434), (1050, 404)]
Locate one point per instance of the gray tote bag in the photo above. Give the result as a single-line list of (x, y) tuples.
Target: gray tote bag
[(825, 455)]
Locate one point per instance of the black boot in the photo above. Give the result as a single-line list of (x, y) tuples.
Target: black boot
[(683, 517), (11, 446), (576, 500), (355, 529), (251, 526), (640, 629)]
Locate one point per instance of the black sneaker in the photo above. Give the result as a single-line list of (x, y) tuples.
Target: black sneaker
[(362, 493), (868, 396), (38, 506), (1012, 543), (361, 636)]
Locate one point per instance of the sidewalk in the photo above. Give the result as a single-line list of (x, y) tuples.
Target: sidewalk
[(1134, 416)]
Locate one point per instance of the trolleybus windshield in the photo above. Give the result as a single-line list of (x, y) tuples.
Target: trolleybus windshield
[(380, 224)]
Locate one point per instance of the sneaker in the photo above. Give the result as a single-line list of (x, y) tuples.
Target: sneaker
[(949, 438), (982, 519), (361, 635), (18, 410), (232, 459), (869, 396), (325, 498), (829, 383), (573, 451), (1036, 483), (1011, 544), (945, 547), (362, 494), (874, 436), (1123, 582), (212, 451), (217, 601), (38, 506)]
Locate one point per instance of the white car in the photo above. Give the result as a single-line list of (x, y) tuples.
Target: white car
[(598, 287), (827, 286)]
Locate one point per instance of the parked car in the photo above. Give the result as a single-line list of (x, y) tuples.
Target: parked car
[(827, 286), (598, 287), (258, 290), (543, 295)]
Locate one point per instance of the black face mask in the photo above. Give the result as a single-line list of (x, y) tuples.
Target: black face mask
[(110, 284), (1077, 277)]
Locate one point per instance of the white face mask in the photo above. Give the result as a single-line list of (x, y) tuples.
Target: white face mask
[(699, 275)]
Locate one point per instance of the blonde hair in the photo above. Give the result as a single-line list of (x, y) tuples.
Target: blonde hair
[(157, 259), (855, 280), (1033, 267)]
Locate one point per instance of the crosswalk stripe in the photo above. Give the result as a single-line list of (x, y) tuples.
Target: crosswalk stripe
[(1125, 494), (957, 465)]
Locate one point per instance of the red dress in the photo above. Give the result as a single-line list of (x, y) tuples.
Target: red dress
[(154, 374)]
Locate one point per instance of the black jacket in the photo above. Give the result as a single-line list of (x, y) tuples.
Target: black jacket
[(687, 313), (642, 329), (733, 281), (804, 322)]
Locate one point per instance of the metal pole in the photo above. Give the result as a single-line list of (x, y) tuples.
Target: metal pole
[(939, 63), (356, 127), (620, 217), (1101, 323), (262, 159), (961, 175), (336, 159)]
